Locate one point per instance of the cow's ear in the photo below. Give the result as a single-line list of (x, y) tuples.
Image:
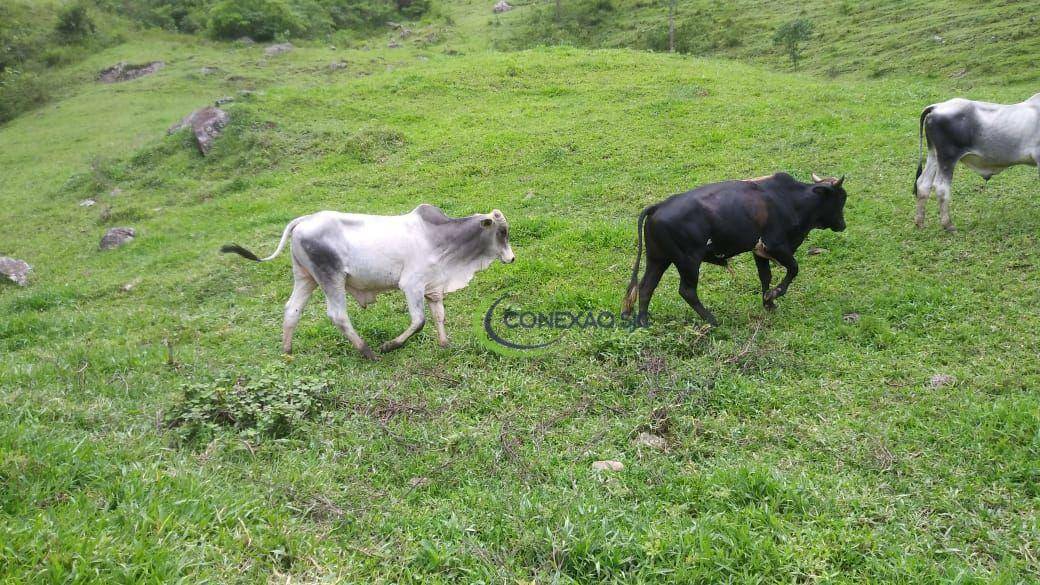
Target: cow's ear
[(486, 222), (823, 190)]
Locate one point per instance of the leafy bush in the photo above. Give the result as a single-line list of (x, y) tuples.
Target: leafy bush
[(20, 91), (74, 23), (260, 20), (791, 35), (272, 404)]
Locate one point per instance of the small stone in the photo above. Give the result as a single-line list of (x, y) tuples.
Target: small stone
[(209, 70), (607, 465), (115, 192), (501, 6), (418, 482), (393, 44), (814, 251), (940, 380), (87, 203), (130, 285), (278, 49), (850, 318), (652, 441), (117, 237), (336, 66), (224, 100), (15, 270)]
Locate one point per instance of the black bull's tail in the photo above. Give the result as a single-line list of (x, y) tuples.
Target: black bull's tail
[(920, 145), (632, 293)]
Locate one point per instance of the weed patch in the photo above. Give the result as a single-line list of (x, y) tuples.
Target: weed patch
[(270, 404)]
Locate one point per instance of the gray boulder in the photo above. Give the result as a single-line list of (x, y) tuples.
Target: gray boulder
[(206, 123), (16, 270), (278, 49), (501, 6), (116, 237)]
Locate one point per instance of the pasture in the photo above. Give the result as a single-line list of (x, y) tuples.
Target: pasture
[(882, 425)]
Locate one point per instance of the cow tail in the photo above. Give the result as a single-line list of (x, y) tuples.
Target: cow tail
[(920, 145), (632, 293), (236, 249)]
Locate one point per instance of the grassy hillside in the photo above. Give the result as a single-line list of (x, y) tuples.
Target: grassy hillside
[(801, 444), (969, 42)]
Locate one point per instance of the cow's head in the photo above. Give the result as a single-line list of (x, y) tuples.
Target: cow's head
[(496, 232), (831, 212)]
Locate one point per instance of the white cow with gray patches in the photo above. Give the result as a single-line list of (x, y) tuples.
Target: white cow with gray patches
[(424, 253), (987, 138)]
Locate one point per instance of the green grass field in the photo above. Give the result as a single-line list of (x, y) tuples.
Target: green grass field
[(801, 447)]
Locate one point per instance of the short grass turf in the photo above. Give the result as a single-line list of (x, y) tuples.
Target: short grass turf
[(803, 445)]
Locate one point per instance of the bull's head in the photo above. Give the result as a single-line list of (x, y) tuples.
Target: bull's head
[(831, 213), (497, 228)]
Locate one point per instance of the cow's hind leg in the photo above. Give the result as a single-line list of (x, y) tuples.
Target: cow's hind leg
[(416, 309), (925, 183), (943, 185), (303, 286), (655, 268), (689, 274), (437, 310), (765, 276), (336, 303)]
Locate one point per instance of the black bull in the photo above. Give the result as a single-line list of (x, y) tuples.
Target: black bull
[(770, 216)]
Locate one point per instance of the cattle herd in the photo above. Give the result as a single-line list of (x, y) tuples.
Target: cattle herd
[(427, 254)]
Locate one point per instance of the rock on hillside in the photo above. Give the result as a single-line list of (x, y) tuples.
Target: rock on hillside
[(116, 237), (206, 123), (16, 270), (124, 72), (278, 49)]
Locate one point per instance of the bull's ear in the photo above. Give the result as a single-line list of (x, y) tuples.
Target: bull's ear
[(486, 222), (823, 190), (816, 178)]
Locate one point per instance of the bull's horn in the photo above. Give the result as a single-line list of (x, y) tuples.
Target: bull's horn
[(817, 178), (840, 181)]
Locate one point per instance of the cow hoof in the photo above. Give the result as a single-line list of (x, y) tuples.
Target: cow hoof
[(368, 354), (770, 295), (444, 343), (919, 223), (769, 305), (388, 347), (949, 228)]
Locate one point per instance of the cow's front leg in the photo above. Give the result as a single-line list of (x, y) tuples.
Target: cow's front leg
[(786, 259), (417, 309), (765, 276), (437, 310)]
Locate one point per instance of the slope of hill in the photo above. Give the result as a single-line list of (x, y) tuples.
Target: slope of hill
[(880, 425), (967, 42)]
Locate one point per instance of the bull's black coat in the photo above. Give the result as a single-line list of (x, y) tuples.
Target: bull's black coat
[(770, 216)]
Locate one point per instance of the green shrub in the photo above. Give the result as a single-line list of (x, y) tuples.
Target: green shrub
[(271, 404), (74, 23), (20, 91), (791, 35), (260, 20)]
